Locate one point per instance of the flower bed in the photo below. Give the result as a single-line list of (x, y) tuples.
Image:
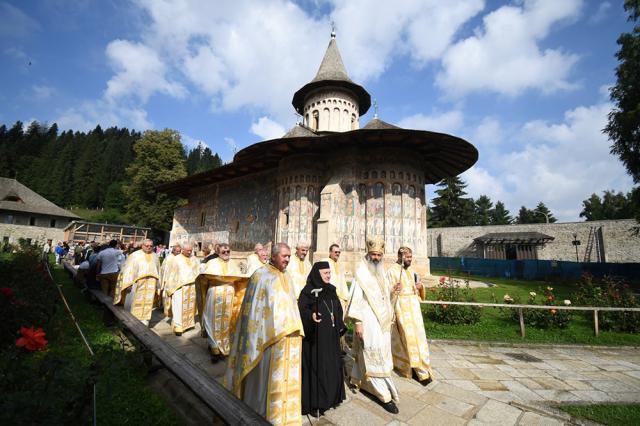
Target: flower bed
[(541, 318), (453, 290)]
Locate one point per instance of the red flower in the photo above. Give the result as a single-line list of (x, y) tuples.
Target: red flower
[(442, 280), (7, 291), (32, 339)]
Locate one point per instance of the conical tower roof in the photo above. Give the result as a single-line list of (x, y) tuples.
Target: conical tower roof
[(332, 73)]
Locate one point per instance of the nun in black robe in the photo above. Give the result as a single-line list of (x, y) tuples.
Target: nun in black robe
[(322, 374)]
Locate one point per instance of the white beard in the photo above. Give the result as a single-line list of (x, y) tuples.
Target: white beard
[(376, 269)]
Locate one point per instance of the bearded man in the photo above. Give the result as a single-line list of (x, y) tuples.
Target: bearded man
[(218, 303), (180, 289), (264, 365), (138, 282), (408, 337), (372, 314), (166, 302), (299, 267)]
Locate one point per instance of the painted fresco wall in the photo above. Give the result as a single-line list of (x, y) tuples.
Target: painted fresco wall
[(240, 212)]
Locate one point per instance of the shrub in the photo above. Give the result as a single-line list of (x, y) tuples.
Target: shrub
[(451, 290), (541, 318), (610, 292)]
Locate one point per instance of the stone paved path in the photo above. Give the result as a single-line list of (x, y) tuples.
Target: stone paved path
[(477, 383)]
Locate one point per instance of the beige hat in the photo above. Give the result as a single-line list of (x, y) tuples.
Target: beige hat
[(375, 245)]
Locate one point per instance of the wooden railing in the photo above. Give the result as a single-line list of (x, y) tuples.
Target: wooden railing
[(521, 308), (222, 402)]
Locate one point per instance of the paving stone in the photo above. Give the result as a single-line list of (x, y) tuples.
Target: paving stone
[(490, 385), (462, 384), (593, 395), (397, 423), (557, 395), (520, 390), (409, 407), (625, 396), (579, 384), (408, 386), (613, 367), (460, 394), (491, 374), (453, 406), (551, 383), (530, 383), (497, 413), (457, 373), (461, 363), (572, 375), (484, 360), (534, 419), (357, 413), (534, 372), (612, 386), (511, 371), (436, 417), (633, 373), (503, 396)]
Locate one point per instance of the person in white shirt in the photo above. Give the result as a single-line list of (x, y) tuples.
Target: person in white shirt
[(107, 267)]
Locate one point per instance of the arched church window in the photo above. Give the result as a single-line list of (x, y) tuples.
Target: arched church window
[(353, 122), (374, 175), (316, 120), (306, 119), (378, 190), (335, 119), (383, 174)]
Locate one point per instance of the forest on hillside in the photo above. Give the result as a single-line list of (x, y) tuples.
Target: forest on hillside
[(81, 170)]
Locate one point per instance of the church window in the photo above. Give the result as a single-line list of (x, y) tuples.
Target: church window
[(393, 175), (32, 221), (316, 120), (52, 223), (383, 174), (401, 175), (335, 119), (374, 175), (378, 190), (306, 120), (14, 198), (325, 119), (365, 175), (353, 122)]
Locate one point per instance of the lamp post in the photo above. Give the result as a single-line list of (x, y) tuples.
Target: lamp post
[(576, 243), (546, 216)]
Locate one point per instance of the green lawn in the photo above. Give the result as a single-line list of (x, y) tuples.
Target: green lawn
[(607, 414), (497, 325)]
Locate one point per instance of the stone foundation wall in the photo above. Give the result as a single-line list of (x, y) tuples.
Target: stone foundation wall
[(620, 245), (37, 234)]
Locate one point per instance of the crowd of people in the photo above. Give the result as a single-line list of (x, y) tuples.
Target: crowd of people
[(277, 320)]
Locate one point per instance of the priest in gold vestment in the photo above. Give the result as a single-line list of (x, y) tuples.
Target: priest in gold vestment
[(338, 278), (138, 282), (408, 337), (257, 259), (371, 312), (180, 289), (176, 249), (264, 365), (218, 303), (299, 267)]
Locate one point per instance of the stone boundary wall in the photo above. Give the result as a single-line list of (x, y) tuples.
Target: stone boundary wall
[(37, 234), (619, 243)]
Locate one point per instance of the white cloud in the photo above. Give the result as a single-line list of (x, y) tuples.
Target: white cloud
[(106, 114), (601, 13), (561, 164), (505, 56), (267, 128), (16, 24), (42, 92), (445, 122), (139, 72), (488, 133)]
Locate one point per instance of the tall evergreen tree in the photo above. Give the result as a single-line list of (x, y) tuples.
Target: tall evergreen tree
[(450, 208), (543, 213), (159, 158), (483, 207), (611, 206), (526, 216), (500, 215)]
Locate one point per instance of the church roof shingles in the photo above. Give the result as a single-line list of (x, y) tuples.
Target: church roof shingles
[(14, 196)]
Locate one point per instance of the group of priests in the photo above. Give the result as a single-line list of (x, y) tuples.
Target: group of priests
[(280, 325)]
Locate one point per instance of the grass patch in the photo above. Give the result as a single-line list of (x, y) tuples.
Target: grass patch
[(497, 325), (56, 384), (607, 414)]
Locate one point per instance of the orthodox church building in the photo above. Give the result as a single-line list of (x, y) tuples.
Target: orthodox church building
[(327, 180)]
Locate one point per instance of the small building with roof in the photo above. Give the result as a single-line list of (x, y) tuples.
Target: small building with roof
[(28, 215), (327, 180)]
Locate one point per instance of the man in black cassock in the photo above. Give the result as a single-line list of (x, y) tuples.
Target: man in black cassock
[(322, 376)]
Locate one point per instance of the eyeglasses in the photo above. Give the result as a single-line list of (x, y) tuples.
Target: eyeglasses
[(225, 251)]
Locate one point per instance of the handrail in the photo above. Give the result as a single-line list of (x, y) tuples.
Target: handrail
[(521, 308), (222, 402), (547, 307)]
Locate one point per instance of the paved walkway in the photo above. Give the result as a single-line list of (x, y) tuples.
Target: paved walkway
[(476, 383)]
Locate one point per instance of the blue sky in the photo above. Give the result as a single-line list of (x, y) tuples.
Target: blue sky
[(525, 81)]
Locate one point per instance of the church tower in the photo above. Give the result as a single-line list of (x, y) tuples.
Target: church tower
[(332, 102)]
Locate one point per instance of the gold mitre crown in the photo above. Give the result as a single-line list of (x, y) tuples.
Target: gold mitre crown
[(375, 245)]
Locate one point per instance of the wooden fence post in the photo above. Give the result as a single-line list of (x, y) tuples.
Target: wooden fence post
[(596, 329), (520, 314)]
